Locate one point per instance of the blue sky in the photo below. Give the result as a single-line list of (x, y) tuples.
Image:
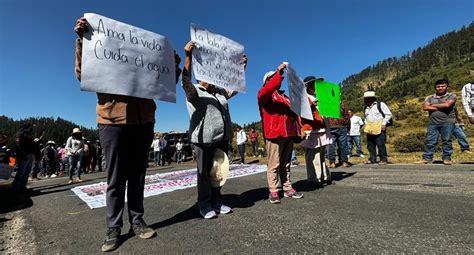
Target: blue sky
[(332, 39)]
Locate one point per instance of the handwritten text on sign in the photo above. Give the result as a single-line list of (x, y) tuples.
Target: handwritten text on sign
[(218, 60), (298, 95), (121, 59)]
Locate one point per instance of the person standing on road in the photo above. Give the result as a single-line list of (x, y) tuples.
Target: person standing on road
[(317, 171), (156, 150), (354, 134), (280, 127), (125, 126), (24, 149), (210, 129), (442, 118), (75, 147), (339, 133), (458, 132), (253, 135), (467, 95), (163, 145), (376, 114), (241, 141)]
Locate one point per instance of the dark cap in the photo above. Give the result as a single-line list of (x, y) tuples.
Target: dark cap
[(309, 79)]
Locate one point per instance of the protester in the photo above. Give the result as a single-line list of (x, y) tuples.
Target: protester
[(126, 133), (179, 152), (354, 134), (210, 129), (458, 132), (92, 156), (163, 144), (37, 159), (24, 149), (315, 141), (467, 94), (156, 150), (63, 166), (75, 147), (338, 129), (50, 156), (241, 141), (280, 127), (442, 117), (100, 157), (377, 116), (253, 135), (86, 159)]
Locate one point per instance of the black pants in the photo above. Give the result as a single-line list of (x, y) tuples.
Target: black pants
[(208, 197), (242, 152), (126, 152)]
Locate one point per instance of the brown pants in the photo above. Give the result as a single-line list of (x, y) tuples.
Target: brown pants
[(278, 167)]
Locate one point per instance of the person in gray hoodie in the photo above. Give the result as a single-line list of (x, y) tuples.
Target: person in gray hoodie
[(210, 128)]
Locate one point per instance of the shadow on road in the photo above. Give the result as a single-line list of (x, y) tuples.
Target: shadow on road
[(246, 199), (188, 214), (11, 201), (303, 185)]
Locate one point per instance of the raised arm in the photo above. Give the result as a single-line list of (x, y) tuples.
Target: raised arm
[(80, 28), (189, 89), (270, 86)]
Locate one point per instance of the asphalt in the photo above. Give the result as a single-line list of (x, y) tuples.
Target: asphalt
[(369, 209)]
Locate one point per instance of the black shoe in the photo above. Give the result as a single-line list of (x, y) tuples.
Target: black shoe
[(142, 230), (111, 240)]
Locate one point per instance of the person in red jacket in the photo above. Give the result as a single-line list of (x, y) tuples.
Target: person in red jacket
[(317, 137), (280, 126)]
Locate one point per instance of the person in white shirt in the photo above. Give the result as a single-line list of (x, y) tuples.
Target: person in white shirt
[(376, 112), (179, 152), (467, 95), (156, 150), (241, 140), (354, 134)]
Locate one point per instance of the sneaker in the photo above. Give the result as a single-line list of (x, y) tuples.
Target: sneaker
[(142, 230), (111, 240), (370, 162), (78, 179), (361, 156), (345, 164), (447, 162), (208, 214), (53, 175), (274, 198), (293, 194), (223, 209), (70, 181), (423, 162), (382, 162), (332, 165)]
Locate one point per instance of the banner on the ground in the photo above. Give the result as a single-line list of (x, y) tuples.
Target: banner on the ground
[(121, 59), (217, 59), (329, 99), (298, 96), (94, 194)]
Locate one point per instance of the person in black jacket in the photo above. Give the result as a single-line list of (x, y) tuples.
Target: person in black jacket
[(24, 156)]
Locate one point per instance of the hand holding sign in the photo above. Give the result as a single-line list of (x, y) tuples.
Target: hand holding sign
[(218, 60)]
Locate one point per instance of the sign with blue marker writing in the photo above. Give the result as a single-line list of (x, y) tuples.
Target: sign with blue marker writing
[(329, 99), (121, 59), (217, 60)]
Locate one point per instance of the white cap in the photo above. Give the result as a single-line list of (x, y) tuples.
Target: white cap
[(369, 94), (268, 74)]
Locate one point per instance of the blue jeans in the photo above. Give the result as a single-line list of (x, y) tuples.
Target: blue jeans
[(157, 158), (24, 166), (339, 136), (446, 131), (379, 141), (74, 162), (354, 139), (458, 132)]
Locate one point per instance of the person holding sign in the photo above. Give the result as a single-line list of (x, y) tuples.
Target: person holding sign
[(210, 129), (317, 134), (126, 133), (280, 127)]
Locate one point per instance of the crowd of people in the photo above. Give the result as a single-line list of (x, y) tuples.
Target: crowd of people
[(126, 134)]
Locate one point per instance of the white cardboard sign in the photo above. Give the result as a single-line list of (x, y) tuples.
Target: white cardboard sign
[(217, 60), (121, 59), (298, 96)]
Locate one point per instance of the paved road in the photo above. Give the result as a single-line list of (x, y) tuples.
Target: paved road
[(379, 209)]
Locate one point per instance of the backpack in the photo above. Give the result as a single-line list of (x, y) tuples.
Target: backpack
[(390, 122)]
